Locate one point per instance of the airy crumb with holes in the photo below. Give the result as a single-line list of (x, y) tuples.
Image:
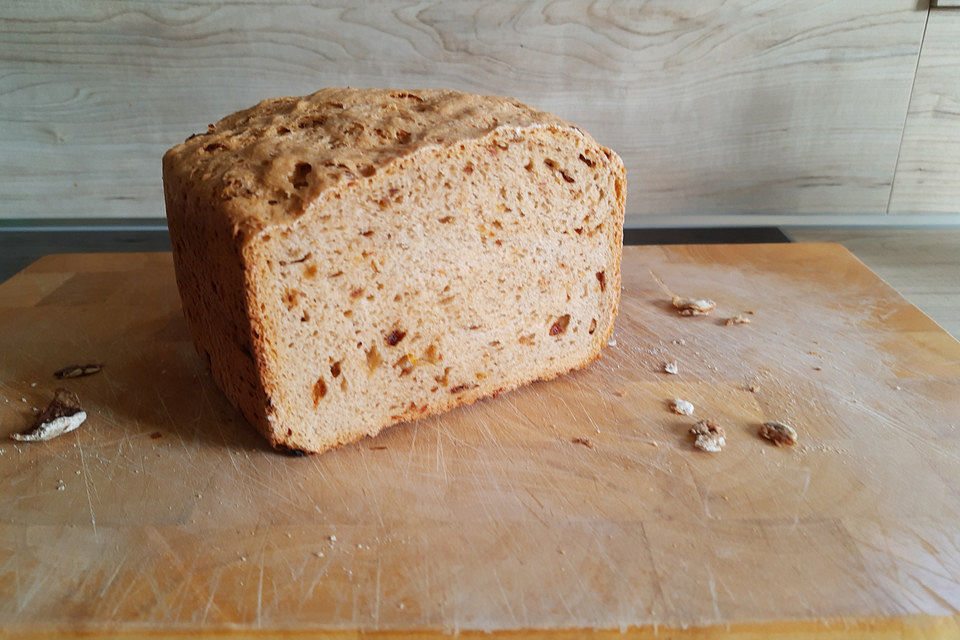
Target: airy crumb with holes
[(335, 283), (693, 306), (709, 436), (778, 433)]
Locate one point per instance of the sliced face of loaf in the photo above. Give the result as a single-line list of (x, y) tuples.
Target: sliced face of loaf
[(451, 271)]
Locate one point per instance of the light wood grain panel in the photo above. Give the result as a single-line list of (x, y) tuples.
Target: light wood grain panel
[(717, 106), (176, 518), (928, 171)]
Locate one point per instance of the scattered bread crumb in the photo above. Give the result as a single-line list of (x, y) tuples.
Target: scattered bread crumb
[(584, 441), (78, 370), (754, 388), (680, 341), (611, 342), (692, 306), (671, 367), (739, 319), (61, 416), (778, 433), (682, 407), (709, 436), (332, 538)]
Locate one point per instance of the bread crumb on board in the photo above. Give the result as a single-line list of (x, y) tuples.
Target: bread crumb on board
[(693, 306), (671, 367), (739, 319), (584, 441), (78, 370), (62, 415), (709, 436), (778, 433), (682, 407)]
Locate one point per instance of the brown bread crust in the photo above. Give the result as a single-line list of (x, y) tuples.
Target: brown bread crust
[(278, 167)]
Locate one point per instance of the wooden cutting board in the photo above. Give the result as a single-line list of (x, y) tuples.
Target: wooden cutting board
[(165, 513)]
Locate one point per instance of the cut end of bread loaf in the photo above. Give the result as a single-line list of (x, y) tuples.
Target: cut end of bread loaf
[(467, 246)]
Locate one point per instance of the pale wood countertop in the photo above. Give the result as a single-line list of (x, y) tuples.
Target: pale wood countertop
[(563, 507), (922, 264)]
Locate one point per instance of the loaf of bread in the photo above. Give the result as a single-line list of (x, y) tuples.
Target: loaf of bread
[(354, 258)]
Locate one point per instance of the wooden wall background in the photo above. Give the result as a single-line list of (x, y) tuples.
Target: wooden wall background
[(725, 111)]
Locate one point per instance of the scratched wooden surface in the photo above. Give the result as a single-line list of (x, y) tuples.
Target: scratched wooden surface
[(718, 107), (921, 264), (164, 512)]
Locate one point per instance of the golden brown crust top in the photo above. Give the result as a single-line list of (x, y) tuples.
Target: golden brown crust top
[(273, 159)]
